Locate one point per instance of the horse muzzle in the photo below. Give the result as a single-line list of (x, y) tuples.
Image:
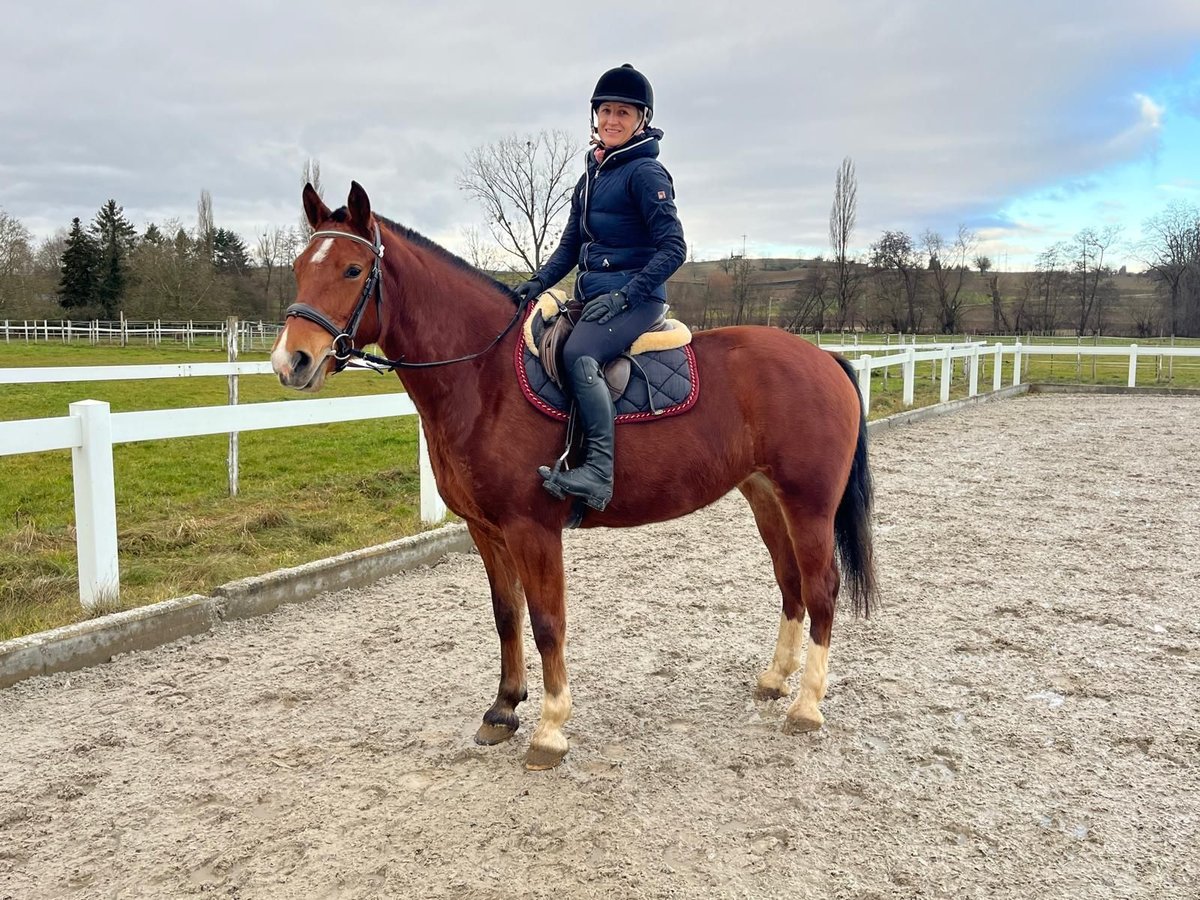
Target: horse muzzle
[(298, 369)]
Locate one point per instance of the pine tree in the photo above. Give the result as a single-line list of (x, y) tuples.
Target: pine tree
[(116, 238), (77, 288), (229, 252)]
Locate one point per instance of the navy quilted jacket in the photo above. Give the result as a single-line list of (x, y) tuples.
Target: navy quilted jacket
[(623, 231)]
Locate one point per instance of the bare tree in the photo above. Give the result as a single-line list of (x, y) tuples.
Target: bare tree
[(481, 254), (524, 184), (898, 280), (807, 305), (1087, 250), (739, 272), (847, 281), (1171, 252), (1049, 285), (205, 230), (16, 258), (311, 175), (948, 271)]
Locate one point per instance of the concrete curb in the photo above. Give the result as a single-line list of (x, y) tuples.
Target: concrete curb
[(98, 640), (942, 409), (1048, 388)]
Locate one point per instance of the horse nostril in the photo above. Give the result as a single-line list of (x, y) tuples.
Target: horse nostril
[(300, 361)]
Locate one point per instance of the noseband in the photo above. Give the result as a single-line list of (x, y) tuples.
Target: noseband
[(343, 338)]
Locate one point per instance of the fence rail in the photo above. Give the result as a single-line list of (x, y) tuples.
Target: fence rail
[(250, 335)]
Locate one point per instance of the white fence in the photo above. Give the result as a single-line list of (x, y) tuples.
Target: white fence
[(250, 335), (91, 430), (942, 357)]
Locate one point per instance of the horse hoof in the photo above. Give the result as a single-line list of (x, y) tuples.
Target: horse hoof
[(489, 735), (771, 689), (803, 723), (538, 759)]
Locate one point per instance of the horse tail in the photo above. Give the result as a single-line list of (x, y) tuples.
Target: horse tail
[(852, 522)]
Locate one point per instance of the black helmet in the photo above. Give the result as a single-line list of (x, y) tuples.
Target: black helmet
[(624, 85)]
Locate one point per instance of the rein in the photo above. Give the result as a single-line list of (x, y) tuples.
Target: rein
[(343, 339)]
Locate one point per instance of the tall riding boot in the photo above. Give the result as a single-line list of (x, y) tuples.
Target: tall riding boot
[(593, 481)]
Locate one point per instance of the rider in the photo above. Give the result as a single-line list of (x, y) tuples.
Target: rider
[(624, 234)]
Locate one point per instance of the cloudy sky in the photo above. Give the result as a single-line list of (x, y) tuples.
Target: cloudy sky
[(1027, 120)]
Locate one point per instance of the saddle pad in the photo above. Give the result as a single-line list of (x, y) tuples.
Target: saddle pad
[(668, 377)]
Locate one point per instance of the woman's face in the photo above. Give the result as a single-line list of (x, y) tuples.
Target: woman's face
[(615, 123)]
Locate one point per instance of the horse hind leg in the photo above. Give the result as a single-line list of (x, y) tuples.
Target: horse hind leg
[(500, 722), (813, 543), (772, 526)]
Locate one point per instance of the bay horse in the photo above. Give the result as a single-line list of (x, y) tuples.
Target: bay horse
[(776, 417)]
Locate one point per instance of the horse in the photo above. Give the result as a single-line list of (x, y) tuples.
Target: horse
[(777, 418)]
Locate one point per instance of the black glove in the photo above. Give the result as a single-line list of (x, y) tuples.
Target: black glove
[(528, 291), (604, 307)]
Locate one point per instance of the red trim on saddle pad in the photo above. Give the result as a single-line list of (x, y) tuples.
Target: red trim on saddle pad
[(544, 407)]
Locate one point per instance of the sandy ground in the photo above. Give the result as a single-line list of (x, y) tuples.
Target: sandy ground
[(1019, 720)]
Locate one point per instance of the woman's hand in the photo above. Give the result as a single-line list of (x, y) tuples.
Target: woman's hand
[(528, 290), (601, 309)]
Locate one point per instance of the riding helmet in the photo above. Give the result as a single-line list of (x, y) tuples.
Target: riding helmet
[(624, 84)]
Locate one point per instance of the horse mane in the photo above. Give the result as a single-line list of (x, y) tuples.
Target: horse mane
[(341, 214)]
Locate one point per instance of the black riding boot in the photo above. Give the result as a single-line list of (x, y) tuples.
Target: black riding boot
[(593, 481)]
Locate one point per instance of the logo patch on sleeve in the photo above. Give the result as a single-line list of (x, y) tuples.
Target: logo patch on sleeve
[(662, 195)]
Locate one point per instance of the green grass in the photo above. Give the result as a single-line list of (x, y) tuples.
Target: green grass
[(305, 493)]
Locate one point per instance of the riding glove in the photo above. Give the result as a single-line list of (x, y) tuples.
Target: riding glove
[(528, 290), (604, 307)]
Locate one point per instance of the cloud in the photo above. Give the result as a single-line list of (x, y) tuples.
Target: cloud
[(949, 112)]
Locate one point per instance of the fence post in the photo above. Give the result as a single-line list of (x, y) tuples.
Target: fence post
[(95, 506), (231, 327), (1016, 364), (1133, 365), (433, 510), (973, 375), (947, 369), (910, 374), (864, 381), (998, 368)]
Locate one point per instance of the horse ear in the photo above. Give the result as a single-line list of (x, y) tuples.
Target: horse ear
[(359, 205), (314, 207)]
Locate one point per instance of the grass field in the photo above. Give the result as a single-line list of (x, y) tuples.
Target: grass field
[(306, 493)]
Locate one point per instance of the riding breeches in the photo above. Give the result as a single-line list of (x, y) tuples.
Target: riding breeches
[(606, 342)]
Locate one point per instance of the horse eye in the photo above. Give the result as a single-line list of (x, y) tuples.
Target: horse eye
[(353, 272)]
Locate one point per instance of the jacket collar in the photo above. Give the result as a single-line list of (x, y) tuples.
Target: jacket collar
[(642, 146)]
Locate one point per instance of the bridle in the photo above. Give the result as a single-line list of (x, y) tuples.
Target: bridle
[(343, 338)]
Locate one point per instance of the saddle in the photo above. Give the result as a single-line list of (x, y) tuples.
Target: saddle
[(552, 319)]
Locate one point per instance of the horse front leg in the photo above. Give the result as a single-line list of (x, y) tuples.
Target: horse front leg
[(537, 552), (500, 722)]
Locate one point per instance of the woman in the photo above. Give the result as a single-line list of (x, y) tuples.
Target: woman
[(624, 234)]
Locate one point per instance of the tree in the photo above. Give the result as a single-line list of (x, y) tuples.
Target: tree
[(16, 257), (115, 237), (898, 279), (205, 230), (1049, 283), (1171, 252), (1087, 250), (77, 288), (311, 175), (229, 253), (948, 271), (847, 282), (524, 185)]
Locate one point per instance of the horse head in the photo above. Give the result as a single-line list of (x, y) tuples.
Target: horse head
[(338, 292)]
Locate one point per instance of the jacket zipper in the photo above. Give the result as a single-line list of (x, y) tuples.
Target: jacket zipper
[(587, 196)]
